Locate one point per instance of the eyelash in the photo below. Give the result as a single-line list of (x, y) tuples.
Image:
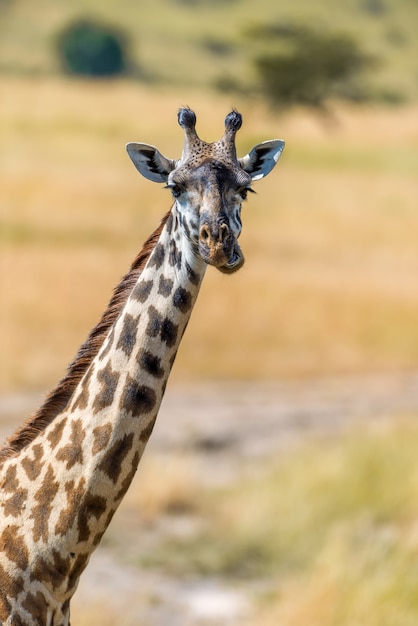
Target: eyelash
[(244, 192), (175, 190)]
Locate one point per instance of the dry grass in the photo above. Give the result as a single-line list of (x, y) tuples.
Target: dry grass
[(331, 529), (362, 566), (331, 280), (167, 485), (328, 531), (100, 613)]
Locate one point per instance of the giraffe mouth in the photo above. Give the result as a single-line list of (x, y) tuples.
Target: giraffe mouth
[(227, 259), (218, 246), (235, 262)]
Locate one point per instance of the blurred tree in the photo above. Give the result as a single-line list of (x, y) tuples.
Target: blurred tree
[(309, 67), (374, 7), (89, 48)]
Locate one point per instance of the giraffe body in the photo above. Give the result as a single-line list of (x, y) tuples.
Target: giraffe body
[(64, 473)]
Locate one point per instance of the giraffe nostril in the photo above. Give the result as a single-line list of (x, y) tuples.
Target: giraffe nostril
[(205, 234), (219, 234), (224, 232)]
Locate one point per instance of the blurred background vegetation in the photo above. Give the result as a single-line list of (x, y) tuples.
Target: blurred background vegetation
[(229, 44), (330, 287)]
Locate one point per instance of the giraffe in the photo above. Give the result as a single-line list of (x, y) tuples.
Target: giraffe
[(65, 471)]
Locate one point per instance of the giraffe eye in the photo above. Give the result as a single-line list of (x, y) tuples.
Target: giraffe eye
[(244, 191), (175, 190)]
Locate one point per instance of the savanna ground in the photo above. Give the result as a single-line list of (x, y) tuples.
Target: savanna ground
[(314, 529)]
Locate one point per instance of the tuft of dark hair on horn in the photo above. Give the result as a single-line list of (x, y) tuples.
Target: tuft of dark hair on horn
[(186, 118), (233, 121)]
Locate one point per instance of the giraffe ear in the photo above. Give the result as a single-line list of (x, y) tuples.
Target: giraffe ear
[(150, 162), (262, 158)]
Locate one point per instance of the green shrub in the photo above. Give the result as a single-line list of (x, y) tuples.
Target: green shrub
[(309, 67), (88, 48)]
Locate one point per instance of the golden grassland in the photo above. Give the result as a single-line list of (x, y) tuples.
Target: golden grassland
[(331, 279), (329, 531), (345, 536)]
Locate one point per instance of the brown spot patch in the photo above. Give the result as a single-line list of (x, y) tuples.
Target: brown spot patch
[(137, 399), (108, 380), (83, 397), (128, 478), (193, 276), (69, 514), (33, 466), (157, 257), (91, 506), (127, 339), (10, 482), (51, 572), (172, 359), (109, 344), (150, 363), (163, 326), (101, 437), (169, 223), (78, 567), (112, 462), (19, 621), (174, 256), (154, 322), (45, 497), (146, 432), (142, 290), (55, 435), (13, 545), (66, 607), (9, 586), (169, 332), (182, 299), (16, 503), (72, 453), (165, 286), (37, 606)]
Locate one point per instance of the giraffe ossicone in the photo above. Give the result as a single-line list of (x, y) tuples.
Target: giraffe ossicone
[(65, 471)]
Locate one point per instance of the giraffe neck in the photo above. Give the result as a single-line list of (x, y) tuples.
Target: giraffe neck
[(61, 490)]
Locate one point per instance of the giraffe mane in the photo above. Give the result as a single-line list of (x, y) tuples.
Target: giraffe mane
[(58, 398)]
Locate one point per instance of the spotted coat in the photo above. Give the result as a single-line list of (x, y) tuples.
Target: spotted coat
[(65, 471)]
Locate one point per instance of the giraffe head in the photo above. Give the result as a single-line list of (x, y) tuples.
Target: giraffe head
[(209, 184)]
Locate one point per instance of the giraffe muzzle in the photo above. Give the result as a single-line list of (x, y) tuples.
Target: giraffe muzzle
[(218, 246), (214, 236)]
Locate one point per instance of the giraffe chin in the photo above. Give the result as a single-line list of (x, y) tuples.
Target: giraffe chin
[(233, 265), (218, 257)]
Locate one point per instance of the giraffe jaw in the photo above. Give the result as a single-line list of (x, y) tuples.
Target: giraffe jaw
[(217, 257), (235, 262), (218, 242)]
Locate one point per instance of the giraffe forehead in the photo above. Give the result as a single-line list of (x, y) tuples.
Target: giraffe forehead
[(209, 171), (196, 151)]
